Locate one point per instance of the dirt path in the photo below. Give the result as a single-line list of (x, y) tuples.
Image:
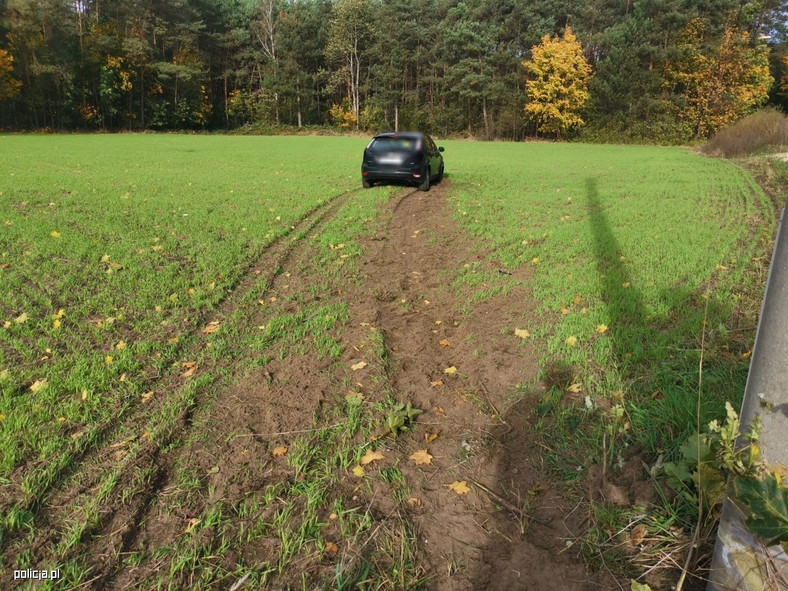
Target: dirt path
[(512, 530)]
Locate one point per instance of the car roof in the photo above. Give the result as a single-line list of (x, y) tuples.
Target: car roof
[(398, 134)]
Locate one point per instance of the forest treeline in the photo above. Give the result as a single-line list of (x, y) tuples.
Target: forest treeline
[(664, 70)]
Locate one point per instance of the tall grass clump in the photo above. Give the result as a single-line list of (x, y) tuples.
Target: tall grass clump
[(767, 127)]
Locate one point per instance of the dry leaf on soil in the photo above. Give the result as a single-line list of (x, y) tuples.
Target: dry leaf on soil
[(638, 534), (421, 457), (191, 525), (190, 367), (331, 548), (430, 437), (575, 388), (359, 365), (444, 343), (145, 397), (358, 471), (370, 457), (571, 341), (460, 487), (414, 502), (522, 333), (280, 450), (450, 370), (436, 384), (212, 327)]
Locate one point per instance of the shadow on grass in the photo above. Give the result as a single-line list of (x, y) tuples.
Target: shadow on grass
[(650, 369)]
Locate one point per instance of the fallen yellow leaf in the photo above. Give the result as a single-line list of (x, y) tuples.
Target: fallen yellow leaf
[(147, 396), (450, 370), (571, 341), (22, 318), (626, 285), (460, 487), (522, 333), (359, 365), (191, 525), (444, 343), (56, 323), (414, 502), (436, 384), (331, 548), (430, 437), (358, 471), (108, 359), (535, 260), (575, 388), (566, 311), (54, 234), (84, 395), (279, 451), (370, 457), (577, 299), (601, 328), (121, 345), (3, 375), (38, 385), (421, 457)]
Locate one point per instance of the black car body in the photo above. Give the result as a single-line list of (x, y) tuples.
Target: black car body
[(410, 157)]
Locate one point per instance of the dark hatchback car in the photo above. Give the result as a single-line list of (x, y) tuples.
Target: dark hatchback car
[(410, 157)]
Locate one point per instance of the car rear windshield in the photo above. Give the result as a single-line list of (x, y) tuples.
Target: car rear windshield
[(395, 144)]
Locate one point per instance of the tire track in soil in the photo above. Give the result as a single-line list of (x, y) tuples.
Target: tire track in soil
[(160, 530), (117, 523), (470, 542)]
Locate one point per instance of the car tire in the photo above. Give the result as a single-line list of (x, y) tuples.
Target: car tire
[(439, 178), (366, 184), (425, 184)]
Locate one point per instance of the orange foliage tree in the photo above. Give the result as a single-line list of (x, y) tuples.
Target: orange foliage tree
[(720, 85), (9, 85)]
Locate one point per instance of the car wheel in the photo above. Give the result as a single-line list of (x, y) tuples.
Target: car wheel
[(425, 184), (366, 184), (439, 178)]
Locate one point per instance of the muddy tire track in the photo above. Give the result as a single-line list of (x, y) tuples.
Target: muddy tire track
[(116, 528), (476, 382)]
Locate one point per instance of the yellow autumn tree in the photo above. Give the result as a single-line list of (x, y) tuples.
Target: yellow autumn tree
[(721, 85), (9, 85), (557, 86)]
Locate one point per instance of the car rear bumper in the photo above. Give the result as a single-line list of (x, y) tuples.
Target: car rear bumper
[(402, 174)]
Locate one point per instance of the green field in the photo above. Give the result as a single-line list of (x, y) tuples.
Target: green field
[(117, 253)]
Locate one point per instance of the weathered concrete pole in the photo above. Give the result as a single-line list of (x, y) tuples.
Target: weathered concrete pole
[(741, 562)]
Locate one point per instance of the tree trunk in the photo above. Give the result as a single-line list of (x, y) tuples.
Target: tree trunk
[(396, 117)]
